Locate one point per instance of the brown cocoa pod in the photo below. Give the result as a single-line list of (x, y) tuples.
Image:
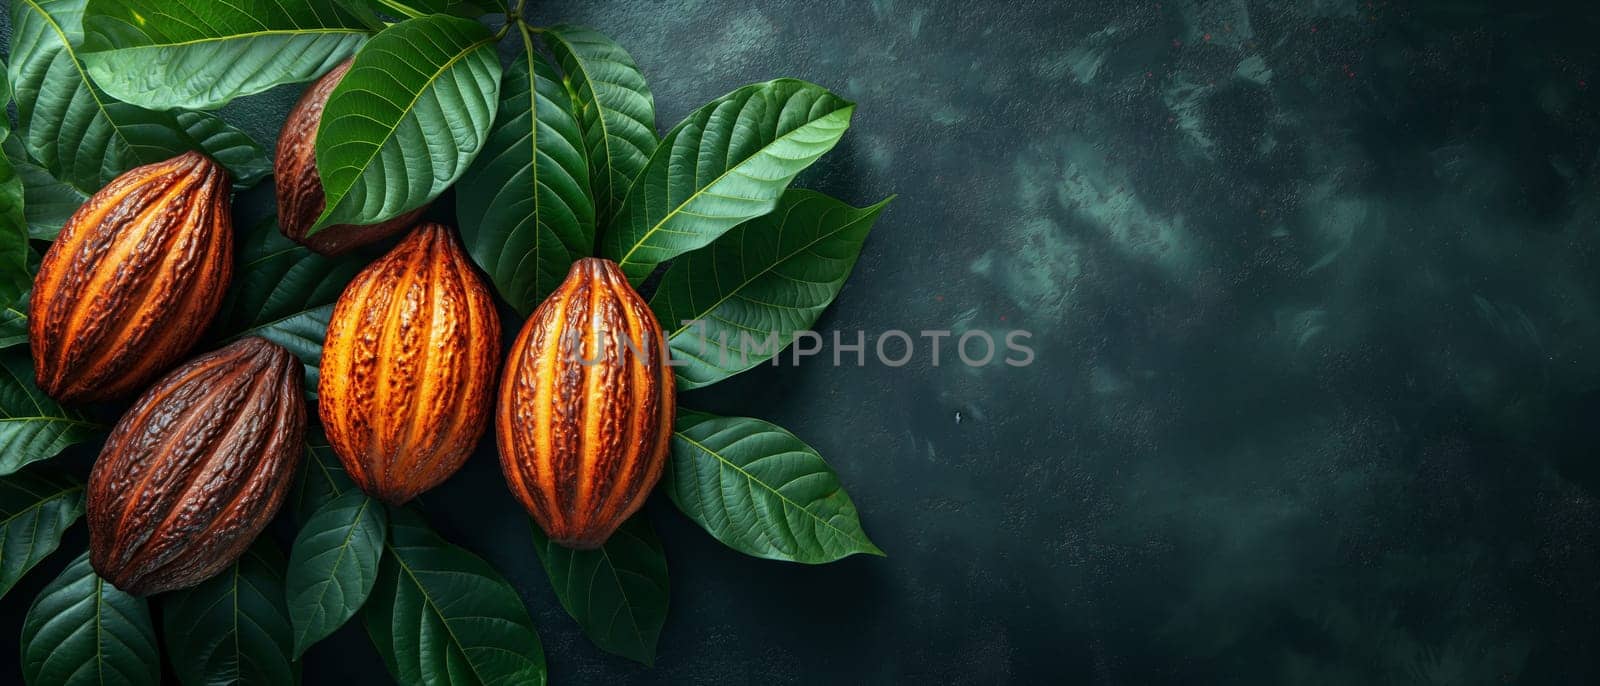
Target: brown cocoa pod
[(197, 468), (299, 187), (408, 367), (586, 407), (131, 282)]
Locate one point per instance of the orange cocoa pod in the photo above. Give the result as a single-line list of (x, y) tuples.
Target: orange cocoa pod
[(408, 367), (197, 468), (299, 187), (586, 407), (131, 282)]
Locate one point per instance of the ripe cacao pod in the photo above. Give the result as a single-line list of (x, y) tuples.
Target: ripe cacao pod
[(130, 284), (586, 407), (299, 187), (408, 367), (197, 468)]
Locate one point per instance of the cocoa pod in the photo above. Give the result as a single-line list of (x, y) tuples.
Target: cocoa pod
[(131, 282), (299, 187), (586, 407), (408, 367), (197, 468)]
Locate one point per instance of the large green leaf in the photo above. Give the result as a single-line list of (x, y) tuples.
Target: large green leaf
[(407, 119), (82, 135), (440, 615), (758, 284), (524, 206), (200, 54), (417, 8), (13, 325), (82, 631), (321, 479), (36, 507), (617, 592), (284, 292), (46, 202), (232, 628), (761, 491), (333, 565), (726, 163), (614, 106), (5, 101), (14, 278), (32, 426)]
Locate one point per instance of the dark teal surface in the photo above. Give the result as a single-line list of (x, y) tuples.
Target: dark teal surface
[(1314, 292)]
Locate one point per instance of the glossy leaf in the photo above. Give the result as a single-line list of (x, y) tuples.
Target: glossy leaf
[(752, 289), (618, 592), (470, 9), (613, 105), (321, 479), (200, 54), (407, 119), (84, 137), (761, 491), (32, 426), (233, 628), (14, 279), (5, 100), (524, 206), (726, 163), (13, 325), (46, 203), (333, 565), (82, 631), (440, 615), (284, 292), (36, 507)]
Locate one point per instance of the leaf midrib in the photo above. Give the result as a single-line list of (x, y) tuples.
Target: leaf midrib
[(231, 37)]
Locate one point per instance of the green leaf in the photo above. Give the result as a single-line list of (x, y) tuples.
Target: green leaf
[(749, 291), (761, 491), (321, 479), (232, 628), (416, 8), (80, 134), (524, 206), (284, 292), (200, 54), (333, 566), (46, 203), (614, 106), (14, 278), (728, 162), (82, 631), (441, 615), (5, 100), (36, 507), (32, 426), (407, 119), (617, 592), (13, 325)]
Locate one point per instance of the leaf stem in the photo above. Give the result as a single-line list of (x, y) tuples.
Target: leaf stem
[(513, 17), (400, 9)]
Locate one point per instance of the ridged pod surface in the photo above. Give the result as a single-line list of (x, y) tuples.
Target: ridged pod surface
[(408, 367), (132, 280), (586, 407), (299, 187), (197, 468)]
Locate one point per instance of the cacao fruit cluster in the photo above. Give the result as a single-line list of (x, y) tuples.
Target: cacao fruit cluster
[(408, 367), (131, 282), (300, 196), (197, 468), (586, 407)]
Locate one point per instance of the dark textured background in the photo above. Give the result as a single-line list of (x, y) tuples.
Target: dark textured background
[(1314, 295)]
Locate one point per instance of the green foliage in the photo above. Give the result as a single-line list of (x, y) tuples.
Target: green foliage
[(82, 631), (407, 119), (36, 507), (333, 565), (32, 426), (14, 278), (725, 164), (761, 491), (613, 104), (200, 54), (524, 206), (46, 202), (618, 592), (232, 628), (442, 616)]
